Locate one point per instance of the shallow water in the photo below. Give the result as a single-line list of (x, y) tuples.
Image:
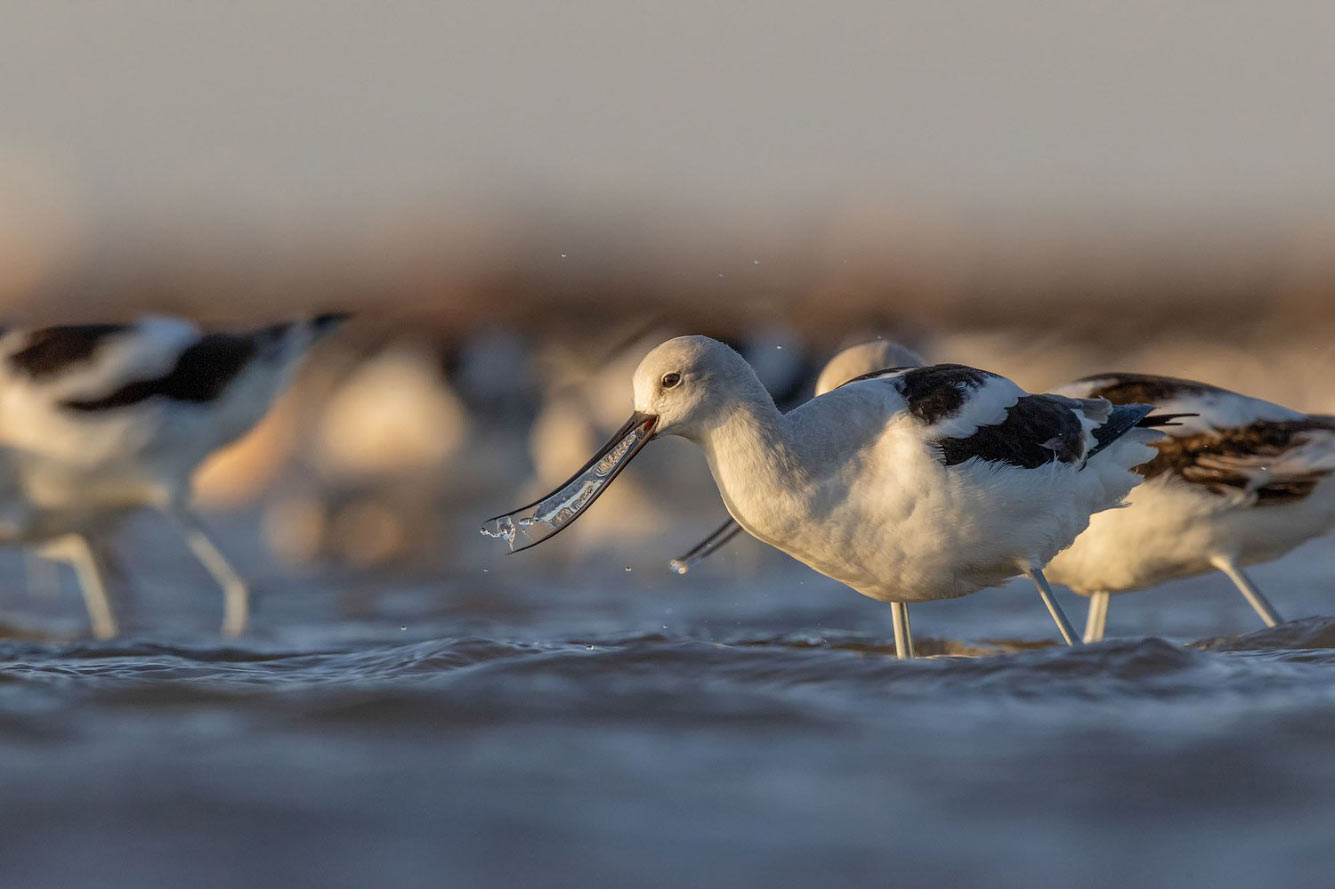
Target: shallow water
[(512, 728)]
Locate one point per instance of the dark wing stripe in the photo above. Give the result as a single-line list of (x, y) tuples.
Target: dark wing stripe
[(933, 393), (50, 350), (201, 374), (1038, 429), (1121, 419), (1129, 388), (1188, 458), (939, 391)]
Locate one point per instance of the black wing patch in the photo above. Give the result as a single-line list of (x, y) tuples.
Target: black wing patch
[(1038, 429), (936, 392), (1189, 458), (1129, 388), (202, 373), (50, 350)]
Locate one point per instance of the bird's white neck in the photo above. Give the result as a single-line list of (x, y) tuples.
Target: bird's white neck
[(756, 465)]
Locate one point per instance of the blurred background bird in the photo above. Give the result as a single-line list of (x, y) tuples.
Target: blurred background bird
[(100, 420)]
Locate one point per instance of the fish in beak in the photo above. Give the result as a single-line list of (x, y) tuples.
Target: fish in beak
[(711, 544), (530, 525)]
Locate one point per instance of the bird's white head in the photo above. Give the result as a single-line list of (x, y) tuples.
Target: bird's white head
[(687, 382), (865, 358), (682, 387)]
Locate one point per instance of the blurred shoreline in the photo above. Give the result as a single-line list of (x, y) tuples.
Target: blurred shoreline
[(577, 267)]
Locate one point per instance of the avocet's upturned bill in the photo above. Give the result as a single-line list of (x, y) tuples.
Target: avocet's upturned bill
[(908, 486), (97, 420), (1240, 482)]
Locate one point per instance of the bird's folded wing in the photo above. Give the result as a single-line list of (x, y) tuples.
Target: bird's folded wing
[(81, 361), (1265, 462)]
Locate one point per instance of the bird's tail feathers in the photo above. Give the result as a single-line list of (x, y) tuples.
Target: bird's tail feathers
[(1159, 421)]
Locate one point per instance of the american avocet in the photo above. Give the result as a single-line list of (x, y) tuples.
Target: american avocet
[(855, 361), (96, 420), (1243, 481), (908, 486)]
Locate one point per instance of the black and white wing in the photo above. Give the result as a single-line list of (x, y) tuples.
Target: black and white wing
[(55, 380), (1253, 451), (974, 414), (42, 370), (75, 360)]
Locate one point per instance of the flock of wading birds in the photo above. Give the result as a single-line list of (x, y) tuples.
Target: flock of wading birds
[(907, 482)]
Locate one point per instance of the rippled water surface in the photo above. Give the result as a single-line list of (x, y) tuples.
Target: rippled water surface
[(632, 728)]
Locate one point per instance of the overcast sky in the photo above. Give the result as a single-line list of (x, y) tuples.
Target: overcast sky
[(304, 102)]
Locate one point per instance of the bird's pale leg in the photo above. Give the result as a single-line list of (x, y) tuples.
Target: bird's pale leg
[(236, 593), (1068, 632), (79, 553), (1249, 591), (1096, 622), (899, 615)]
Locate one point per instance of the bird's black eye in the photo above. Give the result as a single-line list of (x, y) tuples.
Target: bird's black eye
[(671, 380)]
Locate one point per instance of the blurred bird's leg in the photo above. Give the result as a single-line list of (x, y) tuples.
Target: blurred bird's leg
[(1096, 622), (1045, 592), (82, 557), (1244, 583), (899, 615), (236, 593)]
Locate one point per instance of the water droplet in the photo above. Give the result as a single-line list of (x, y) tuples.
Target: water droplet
[(401, 629), (755, 262), (485, 570), (563, 256), (627, 569)]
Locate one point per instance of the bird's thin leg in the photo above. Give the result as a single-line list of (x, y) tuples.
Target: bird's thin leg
[(79, 553), (236, 593), (1096, 622), (1244, 583), (899, 614), (1068, 632)]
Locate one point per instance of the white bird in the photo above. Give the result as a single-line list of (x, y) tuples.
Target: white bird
[(908, 486), (1237, 481), (1241, 482), (98, 420), (855, 361)]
